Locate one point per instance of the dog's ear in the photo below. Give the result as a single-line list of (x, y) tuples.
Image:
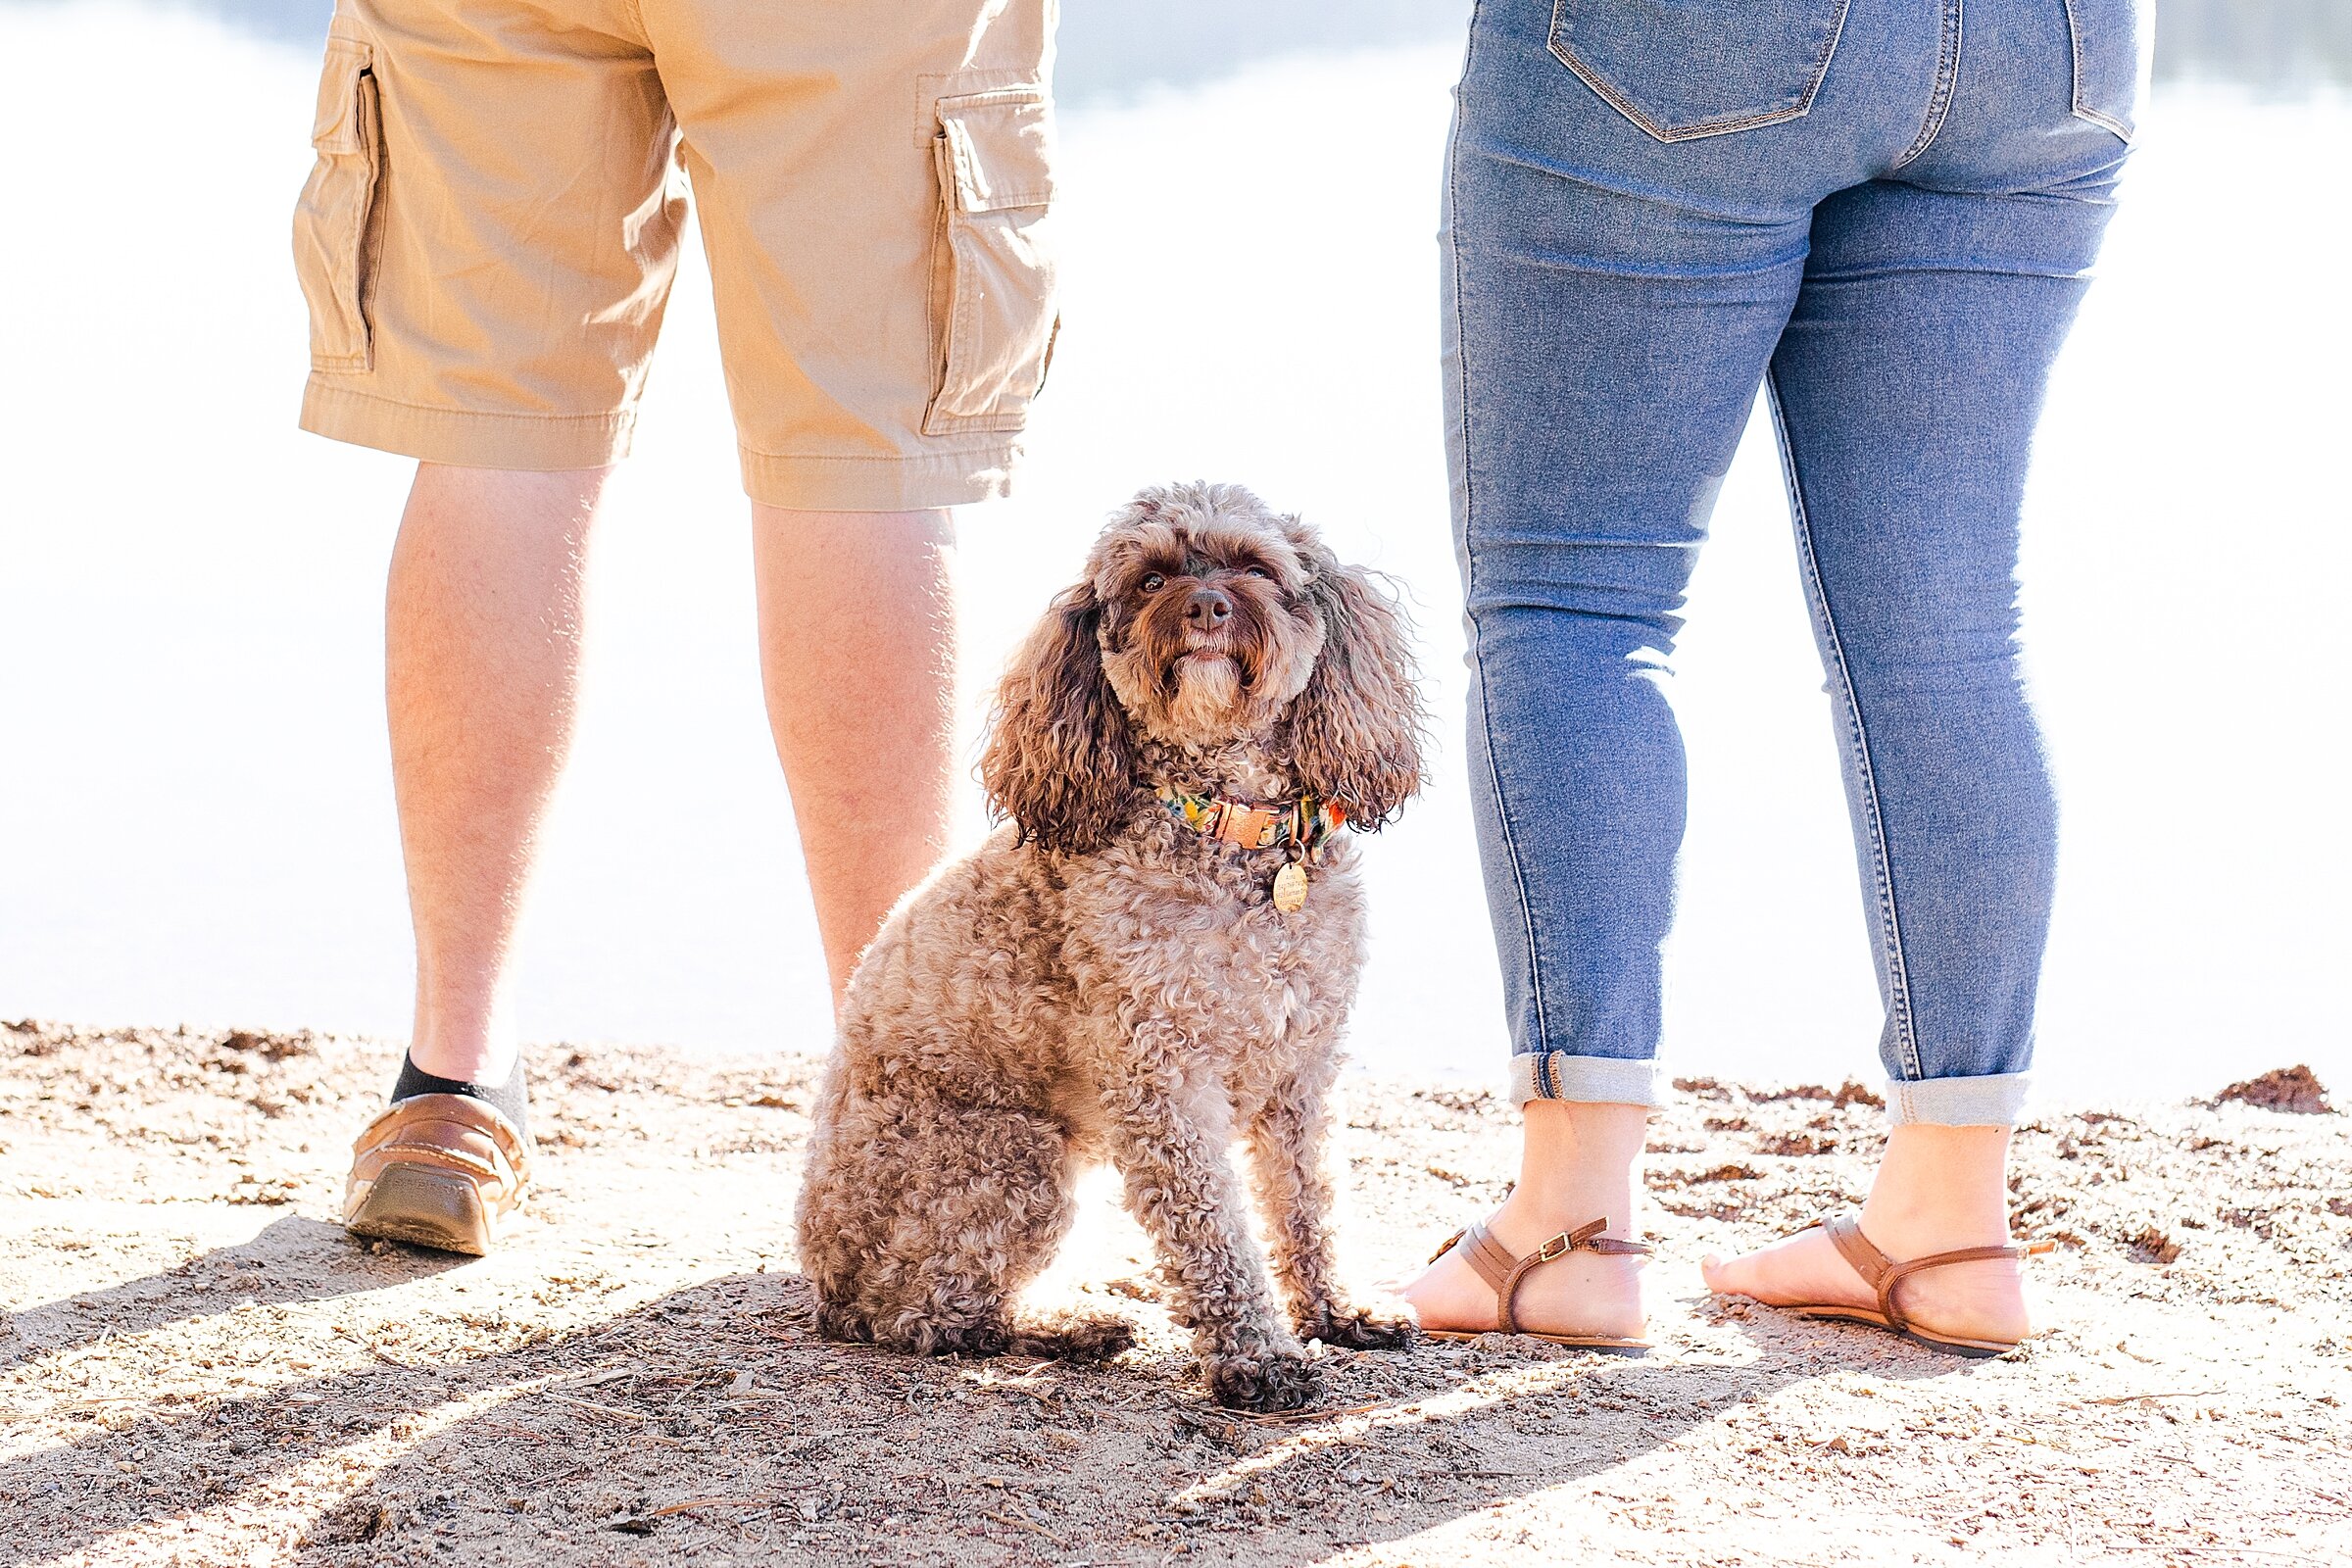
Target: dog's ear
[(1061, 757), (1353, 735)]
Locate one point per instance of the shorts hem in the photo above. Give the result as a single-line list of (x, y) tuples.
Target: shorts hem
[(1590, 1080), (914, 482), (465, 438)]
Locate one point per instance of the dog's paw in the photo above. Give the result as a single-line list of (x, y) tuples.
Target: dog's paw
[(1361, 1328), (1266, 1380)]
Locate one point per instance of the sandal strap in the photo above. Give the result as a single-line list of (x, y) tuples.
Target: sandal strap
[(1881, 1273), (1502, 1272)]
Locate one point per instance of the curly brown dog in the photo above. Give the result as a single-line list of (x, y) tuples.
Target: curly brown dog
[(1124, 971)]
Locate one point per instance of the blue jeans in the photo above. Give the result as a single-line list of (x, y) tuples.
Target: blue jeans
[(1886, 217)]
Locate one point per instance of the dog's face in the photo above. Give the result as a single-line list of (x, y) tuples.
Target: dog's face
[(1204, 620), (1207, 630)]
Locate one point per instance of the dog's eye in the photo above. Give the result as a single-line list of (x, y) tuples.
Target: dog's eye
[(1154, 582), (1260, 571)]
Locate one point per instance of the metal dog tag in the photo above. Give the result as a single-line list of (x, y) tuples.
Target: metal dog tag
[(1290, 888)]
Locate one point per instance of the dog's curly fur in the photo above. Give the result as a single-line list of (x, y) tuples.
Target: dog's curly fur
[(1101, 982)]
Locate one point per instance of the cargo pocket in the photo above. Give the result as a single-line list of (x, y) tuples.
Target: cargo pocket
[(2110, 40), (338, 226), (1686, 68), (993, 279)]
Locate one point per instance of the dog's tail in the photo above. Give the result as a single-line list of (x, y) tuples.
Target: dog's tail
[(1071, 1335)]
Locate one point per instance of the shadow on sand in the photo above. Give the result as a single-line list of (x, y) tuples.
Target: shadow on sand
[(719, 1397), (291, 1260)]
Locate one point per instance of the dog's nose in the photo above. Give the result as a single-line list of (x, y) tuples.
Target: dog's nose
[(1208, 608)]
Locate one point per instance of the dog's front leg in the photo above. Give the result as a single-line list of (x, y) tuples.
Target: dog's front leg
[(1287, 1137), (1180, 1190)]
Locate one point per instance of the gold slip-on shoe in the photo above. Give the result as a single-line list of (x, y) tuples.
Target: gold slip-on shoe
[(436, 1170)]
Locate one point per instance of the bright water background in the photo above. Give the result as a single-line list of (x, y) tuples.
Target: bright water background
[(195, 818)]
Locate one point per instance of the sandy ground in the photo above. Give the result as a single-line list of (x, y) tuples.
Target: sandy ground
[(200, 1368)]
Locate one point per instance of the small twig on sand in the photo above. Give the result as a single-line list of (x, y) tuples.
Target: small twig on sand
[(72, 1407), (2166, 1545), (638, 1416), (556, 1478), (761, 1502), (640, 1524), (1047, 1394), (714, 1502), (600, 1409), (517, 1431), (589, 1380), (1027, 1524), (1291, 1418), (2135, 1399)]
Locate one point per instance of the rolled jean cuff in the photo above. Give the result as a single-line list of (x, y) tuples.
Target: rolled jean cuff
[(1603, 1080), (1991, 1099)]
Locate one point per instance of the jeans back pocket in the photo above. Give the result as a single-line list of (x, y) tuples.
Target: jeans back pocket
[(2110, 40), (1686, 68)]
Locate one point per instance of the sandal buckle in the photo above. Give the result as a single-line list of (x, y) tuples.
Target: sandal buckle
[(1558, 1247)]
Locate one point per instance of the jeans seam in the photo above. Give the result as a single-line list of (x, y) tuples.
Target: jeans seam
[(1485, 717), (1947, 80), (2082, 111), (1510, 845), (1890, 930)]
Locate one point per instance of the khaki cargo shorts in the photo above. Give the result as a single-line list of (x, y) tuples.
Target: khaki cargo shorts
[(488, 237)]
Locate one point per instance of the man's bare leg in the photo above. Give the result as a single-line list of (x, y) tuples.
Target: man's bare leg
[(857, 654), (857, 617), (481, 669)]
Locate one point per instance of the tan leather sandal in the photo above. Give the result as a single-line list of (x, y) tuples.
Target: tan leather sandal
[(1883, 1274), (437, 1170), (1503, 1272)]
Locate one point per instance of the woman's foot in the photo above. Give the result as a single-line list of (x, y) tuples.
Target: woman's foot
[(1581, 1295), (1576, 1166), (1983, 1302), (1938, 1189)]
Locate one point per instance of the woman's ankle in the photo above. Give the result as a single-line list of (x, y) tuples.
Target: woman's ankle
[(1939, 1188), (1525, 1221), (1576, 1164)]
